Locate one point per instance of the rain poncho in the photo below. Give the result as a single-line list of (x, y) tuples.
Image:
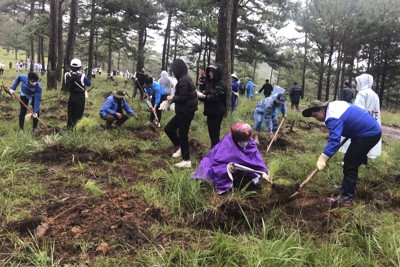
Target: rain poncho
[(165, 82), (368, 100), (213, 166)]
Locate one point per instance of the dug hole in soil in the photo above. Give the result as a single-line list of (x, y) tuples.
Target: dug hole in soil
[(119, 223)]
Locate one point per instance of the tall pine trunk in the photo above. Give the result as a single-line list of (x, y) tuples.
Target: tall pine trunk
[(223, 53), (73, 24), (53, 45)]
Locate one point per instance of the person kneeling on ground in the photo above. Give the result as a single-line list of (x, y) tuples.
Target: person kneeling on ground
[(235, 162), (113, 109), (268, 108)]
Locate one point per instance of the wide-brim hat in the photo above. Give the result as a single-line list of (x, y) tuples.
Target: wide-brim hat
[(120, 94), (313, 106), (233, 75)]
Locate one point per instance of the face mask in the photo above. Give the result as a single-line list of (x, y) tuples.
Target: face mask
[(243, 144), (33, 83)]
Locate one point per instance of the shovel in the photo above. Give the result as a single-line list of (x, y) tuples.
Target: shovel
[(25, 105), (314, 172), (276, 134)]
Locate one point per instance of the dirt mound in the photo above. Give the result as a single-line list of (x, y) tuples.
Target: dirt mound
[(62, 154), (113, 219), (308, 212), (147, 132)]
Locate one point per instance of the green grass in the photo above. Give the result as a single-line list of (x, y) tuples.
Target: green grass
[(362, 236)]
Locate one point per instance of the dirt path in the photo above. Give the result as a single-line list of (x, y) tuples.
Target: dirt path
[(391, 131)]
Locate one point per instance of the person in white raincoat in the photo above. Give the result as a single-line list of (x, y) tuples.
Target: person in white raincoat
[(368, 100)]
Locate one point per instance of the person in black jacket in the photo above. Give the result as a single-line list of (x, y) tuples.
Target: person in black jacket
[(267, 88), (214, 100), (76, 82), (347, 93), (185, 100), (295, 95)]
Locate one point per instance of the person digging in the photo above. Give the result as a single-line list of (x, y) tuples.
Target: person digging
[(235, 162), (350, 121), (268, 109), (112, 111), (31, 93)]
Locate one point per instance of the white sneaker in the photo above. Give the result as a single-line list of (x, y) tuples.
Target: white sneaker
[(184, 164), (177, 154)]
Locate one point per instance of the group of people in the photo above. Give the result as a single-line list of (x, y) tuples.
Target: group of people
[(234, 161)]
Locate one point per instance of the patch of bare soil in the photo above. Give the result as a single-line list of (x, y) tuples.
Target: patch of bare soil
[(393, 132), (84, 227), (309, 212), (61, 154), (147, 132)]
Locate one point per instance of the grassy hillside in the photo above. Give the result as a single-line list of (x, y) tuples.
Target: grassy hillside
[(113, 198)]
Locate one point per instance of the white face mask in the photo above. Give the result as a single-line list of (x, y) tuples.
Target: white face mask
[(33, 83), (243, 144)]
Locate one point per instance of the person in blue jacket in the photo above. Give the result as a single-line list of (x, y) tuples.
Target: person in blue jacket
[(268, 109), (156, 94), (235, 92), (31, 93), (113, 109), (250, 89), (348, 120)]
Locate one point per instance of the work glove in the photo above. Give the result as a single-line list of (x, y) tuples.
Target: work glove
[(285, 116), (164, 105), (200, 94), (28, 117), (12, 91), (321, 163), (35, 115), (266, 177)]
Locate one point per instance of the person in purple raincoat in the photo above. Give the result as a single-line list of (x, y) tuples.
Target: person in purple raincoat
[(237, 147)]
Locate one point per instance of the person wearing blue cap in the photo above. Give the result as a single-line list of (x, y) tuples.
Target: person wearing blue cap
[(268, 108)]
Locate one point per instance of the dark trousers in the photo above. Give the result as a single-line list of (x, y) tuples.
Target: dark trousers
[(355, 156), (135, 89), (214, 128), (110, 119), (1, 71), (158, 112), (181, 122), (76, 107), (295, 104), (23, 110)]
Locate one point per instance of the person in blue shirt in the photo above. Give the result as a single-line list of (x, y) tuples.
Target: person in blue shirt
[(31, 93), (156, 94), (347, 120), (113, 109), (235, 92), (268, 109)]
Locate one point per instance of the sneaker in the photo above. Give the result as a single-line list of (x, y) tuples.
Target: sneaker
[(177, 154), (341, 201), (184, 164), (157, 124)]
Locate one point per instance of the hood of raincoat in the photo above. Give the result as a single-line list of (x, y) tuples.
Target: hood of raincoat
[(217, 70), (179, 68), (364, 81)]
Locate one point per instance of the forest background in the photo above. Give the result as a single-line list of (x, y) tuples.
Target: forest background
[(341, 39)]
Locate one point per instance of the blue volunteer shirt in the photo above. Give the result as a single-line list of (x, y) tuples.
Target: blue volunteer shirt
[(28, 90), (156, 90), (348, 120)]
